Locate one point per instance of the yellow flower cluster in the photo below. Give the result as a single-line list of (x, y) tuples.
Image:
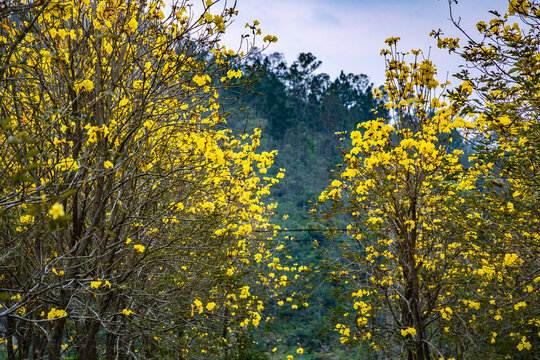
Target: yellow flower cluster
[(56, 313)]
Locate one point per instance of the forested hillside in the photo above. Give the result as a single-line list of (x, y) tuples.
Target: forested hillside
[(303, 114), (300, 110)]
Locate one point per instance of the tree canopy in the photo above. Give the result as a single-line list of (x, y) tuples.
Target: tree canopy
[(441, 254)]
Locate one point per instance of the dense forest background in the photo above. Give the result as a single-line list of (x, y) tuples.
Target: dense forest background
[(300, 112), (305, 115)]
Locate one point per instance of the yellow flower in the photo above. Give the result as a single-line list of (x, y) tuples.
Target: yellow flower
[(67, 164), (95, 284), (208, 17), (510, 207), (524, 344), (520, 305), (511, 260), (133, 24), (210, 306), (107, 164), (234, 74), (123, 102), (54, 313), (505, 120), (201, 80), (127, 312), (408, 331), (26, 219), (56, 211), (85, 84), (198, 305), (446, 313), (270, 38), (467, 87), (58, 273), (139, 248), (299, 351), (474, 305), (108, 48)]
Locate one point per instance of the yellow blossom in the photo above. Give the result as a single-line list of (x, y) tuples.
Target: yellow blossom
[(139, 248), (408, 331), (56, 211), (56, 313), (210, 306), (132, 24)]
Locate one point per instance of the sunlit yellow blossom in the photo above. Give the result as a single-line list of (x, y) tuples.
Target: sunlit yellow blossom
[(56, 313), (210, 306), (56, 211), (132, 24), (511, 260), (139, 248), (408, 331)]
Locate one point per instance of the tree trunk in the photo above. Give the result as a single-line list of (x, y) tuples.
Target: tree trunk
[(10, 330), (412, 315), (55, 339), (110, 348), (87, 343)]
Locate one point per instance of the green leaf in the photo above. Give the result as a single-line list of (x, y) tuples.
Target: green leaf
[(67, 193), (26, 179), (32, 153), (14, 140), (34, 209), (32, 166), (51, 225)]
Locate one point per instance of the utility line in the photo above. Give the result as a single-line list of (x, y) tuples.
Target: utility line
[(298, 230)]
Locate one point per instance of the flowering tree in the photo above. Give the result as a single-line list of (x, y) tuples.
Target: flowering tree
[(506, 141), (432, 261), (399, 185), (129, 215)]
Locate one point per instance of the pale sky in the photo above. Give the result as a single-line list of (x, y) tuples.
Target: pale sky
[(349, 34)]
